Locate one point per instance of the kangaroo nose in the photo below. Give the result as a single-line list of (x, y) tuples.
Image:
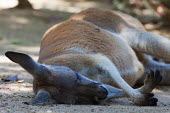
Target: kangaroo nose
[(102, 92)]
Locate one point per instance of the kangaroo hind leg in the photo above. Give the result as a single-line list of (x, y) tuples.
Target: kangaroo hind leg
[(106, 66)]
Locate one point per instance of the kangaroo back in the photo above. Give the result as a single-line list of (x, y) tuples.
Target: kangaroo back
[(130, 29), (111, 20), (81, 37)]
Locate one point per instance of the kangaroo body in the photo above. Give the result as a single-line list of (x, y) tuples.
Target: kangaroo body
[(83, 43), (85, 57)]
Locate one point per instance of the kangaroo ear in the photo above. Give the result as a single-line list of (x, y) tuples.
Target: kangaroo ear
[(28, 64), (16, 57)]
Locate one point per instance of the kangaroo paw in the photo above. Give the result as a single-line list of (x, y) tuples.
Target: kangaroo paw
[(152, 79), (42, 98), (145, 100)]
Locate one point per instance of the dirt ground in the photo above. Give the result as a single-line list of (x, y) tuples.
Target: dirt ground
[(22, 31)]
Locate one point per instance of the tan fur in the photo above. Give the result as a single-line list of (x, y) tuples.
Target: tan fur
[(105, 45), (134, 33), (129, 28), (56, 44), (107, 19), (110, 33)]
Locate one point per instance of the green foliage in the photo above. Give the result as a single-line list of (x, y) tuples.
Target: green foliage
[(166, 3), (16, 43), (120, 4)]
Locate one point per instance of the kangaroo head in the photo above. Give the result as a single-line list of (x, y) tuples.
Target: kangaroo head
[(59, 84)]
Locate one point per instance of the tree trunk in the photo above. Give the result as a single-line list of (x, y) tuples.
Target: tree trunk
[(24, 4)]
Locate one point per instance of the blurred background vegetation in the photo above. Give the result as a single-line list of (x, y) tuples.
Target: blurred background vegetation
[(156, 10), (146, 10)]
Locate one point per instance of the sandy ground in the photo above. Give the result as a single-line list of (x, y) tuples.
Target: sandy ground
[(22, 31)]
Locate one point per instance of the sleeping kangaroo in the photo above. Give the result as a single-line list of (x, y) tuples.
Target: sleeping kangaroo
[(94, 56)]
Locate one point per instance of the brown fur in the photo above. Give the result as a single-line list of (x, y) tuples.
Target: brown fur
[(107, 19), (82, 34)]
